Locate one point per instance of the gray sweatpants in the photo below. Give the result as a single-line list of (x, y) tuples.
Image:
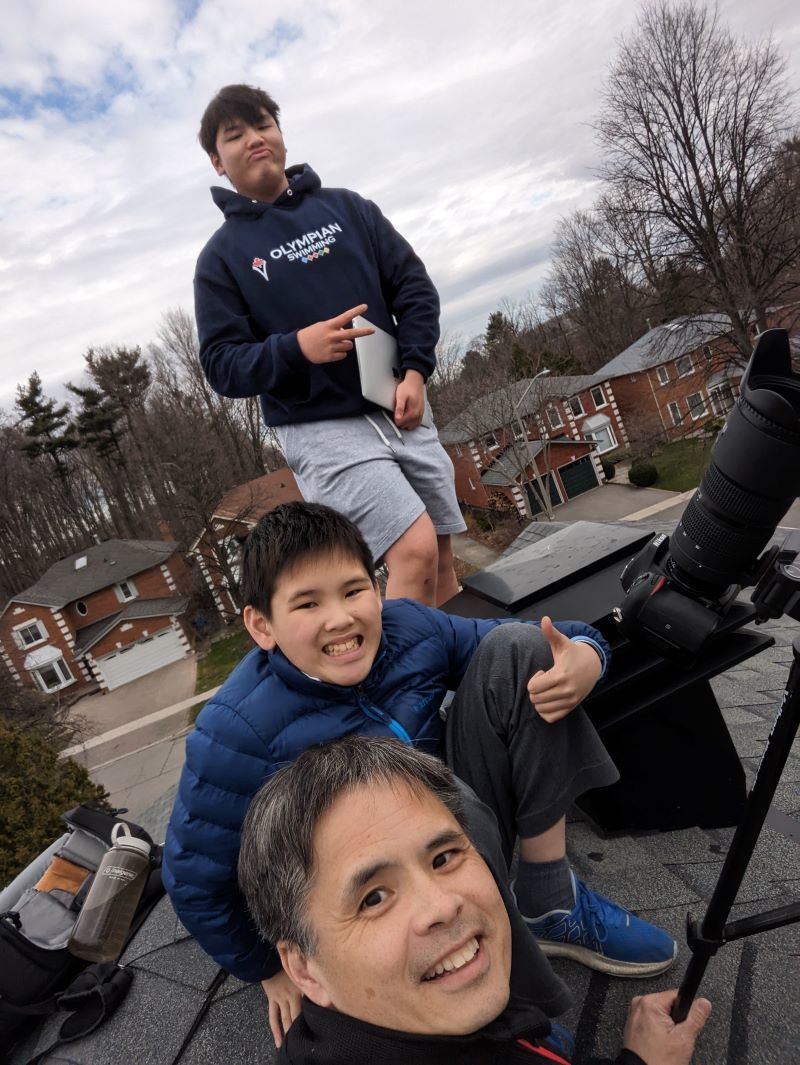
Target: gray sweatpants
[(526, 771)]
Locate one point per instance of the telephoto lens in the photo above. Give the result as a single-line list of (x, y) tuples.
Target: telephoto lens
[(753, 479)]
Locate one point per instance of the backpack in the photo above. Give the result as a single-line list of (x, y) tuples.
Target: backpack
[(38, 911)]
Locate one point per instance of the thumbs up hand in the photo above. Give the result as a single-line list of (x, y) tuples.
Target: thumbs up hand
[(575, 671)]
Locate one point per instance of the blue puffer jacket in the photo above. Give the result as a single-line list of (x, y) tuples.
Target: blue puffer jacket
[(265, 715)]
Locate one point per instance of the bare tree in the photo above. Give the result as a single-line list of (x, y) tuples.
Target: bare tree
[(691, 126)]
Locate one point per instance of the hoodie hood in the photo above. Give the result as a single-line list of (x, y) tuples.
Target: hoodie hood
[(302, 180)]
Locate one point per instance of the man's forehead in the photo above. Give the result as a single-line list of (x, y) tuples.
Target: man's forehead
[(380, 821)]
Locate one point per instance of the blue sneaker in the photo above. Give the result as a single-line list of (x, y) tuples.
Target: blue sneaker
[(601, 935)]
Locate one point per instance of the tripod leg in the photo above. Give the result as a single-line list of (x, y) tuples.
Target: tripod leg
[(712, 934)]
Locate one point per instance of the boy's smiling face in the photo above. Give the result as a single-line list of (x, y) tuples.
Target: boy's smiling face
[(325, 617)]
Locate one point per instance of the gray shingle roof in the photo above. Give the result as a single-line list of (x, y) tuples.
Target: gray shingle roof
[(666, 342), (106, 564), (88, 636), (495, 409)]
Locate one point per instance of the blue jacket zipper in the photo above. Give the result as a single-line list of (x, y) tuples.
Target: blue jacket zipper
[(375, 714)]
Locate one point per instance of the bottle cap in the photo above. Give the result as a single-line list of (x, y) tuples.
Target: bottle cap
[(121, 837)]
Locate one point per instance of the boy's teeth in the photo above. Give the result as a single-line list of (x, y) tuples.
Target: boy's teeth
[(341, 648), (454, 961)]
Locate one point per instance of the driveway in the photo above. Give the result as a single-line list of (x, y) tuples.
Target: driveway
[(105, 711), (615, 502)]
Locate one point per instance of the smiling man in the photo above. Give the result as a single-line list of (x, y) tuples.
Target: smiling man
[(358, 862)]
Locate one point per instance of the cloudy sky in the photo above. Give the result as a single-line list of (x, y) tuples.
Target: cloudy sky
[(468, 123)]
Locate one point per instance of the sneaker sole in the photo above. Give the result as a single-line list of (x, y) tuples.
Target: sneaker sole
[(602, 964)]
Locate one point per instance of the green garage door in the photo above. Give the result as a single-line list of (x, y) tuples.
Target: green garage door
[(578, 477), (533, 497)]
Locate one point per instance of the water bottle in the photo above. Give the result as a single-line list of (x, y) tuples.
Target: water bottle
[(105, 919)]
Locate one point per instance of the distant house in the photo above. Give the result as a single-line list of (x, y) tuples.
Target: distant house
[(103, 616), (677, 376), (569, 422), (217, 548)]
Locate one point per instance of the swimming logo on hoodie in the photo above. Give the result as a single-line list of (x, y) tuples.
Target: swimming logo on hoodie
[(260, 267), (309, 246)]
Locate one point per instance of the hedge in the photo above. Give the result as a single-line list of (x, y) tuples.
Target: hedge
[(35, 788), (643, 474)]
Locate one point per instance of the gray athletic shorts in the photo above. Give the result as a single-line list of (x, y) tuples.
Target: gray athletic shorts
[(381, 477)]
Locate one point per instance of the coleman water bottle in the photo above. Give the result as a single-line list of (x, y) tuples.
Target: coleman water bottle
[(105, 919)]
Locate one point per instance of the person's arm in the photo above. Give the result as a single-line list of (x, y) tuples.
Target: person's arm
[(223, 769), (235, 362), (408, 291)]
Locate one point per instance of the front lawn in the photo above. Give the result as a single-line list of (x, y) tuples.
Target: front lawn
[(220, 660), (681, 465)]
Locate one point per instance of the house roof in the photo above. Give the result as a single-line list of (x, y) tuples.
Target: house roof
[(106, 564), (496, 409), (164, 606), (666, 342), (251, 500)]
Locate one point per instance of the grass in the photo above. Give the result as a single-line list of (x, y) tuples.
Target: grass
[(218, 663), (681, 465)]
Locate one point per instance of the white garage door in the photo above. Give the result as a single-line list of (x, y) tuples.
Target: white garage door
[(134, 661)]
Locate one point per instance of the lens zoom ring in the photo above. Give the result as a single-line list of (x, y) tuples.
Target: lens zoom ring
[(739, 503), (720, 543)]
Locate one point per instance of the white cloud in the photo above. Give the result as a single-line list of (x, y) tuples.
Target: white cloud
[(469, 126)]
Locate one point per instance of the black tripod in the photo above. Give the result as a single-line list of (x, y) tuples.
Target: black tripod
[(706, 937)]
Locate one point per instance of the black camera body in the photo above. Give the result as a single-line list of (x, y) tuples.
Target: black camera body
[(680, 588)]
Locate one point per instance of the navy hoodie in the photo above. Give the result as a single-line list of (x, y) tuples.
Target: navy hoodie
[(274, 268)]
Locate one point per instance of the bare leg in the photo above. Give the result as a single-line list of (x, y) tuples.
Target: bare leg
[(446, 580), (412, 561), (548, 846)]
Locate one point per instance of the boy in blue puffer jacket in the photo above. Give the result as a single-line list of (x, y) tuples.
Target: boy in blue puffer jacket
[(331, 660)]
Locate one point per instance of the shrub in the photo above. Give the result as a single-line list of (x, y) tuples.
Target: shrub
[(37, 788), (609, 469), (643, 474)]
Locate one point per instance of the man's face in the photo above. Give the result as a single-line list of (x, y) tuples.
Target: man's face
[(412, 933), (325, 617), (253, 157)]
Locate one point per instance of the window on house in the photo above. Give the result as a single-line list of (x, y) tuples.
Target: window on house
[(598, 396), (604, 438), (52, 677), (82, 608), (684, 365), (576, 406), (697, 405), (708, 351), (29, 633), (554, 417), (126, 590), (675, 413), (721, 398), (490, 440), (663, 374)]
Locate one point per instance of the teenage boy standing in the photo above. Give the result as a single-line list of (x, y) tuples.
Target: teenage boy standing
[(276, 289)]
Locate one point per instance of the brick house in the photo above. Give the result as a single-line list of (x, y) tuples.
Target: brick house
[(103, 616), (568, 421), (217, 547), (676, 377)]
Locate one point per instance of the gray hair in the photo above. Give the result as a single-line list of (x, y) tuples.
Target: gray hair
[(276, 859)]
